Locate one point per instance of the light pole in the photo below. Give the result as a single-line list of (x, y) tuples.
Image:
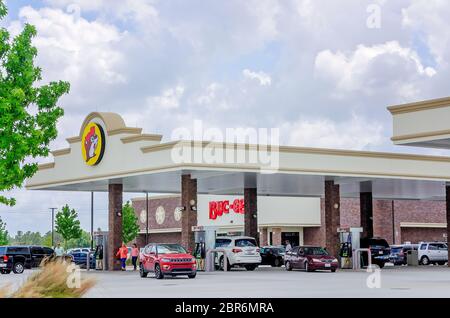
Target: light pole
[(146, 218), (53, 226), (92, 220)]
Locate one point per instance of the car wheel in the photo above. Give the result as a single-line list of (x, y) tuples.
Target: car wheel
[(222, 264), (277, 262), (288, 266), (380, 265), (441, 263), (425, 260), (142, 272), (158, 273), (250, 267), (18, 268), (192, 275), (333, 270)]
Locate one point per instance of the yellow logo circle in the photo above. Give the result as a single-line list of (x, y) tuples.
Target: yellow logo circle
[(93, 144)]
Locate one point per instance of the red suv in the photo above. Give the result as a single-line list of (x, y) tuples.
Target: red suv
[(167, 259), (310, 258)]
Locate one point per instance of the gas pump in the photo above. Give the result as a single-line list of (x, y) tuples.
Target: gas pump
[(349, 242), (205, 240), (101, 238)]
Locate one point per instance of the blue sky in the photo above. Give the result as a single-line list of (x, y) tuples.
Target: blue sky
[(311, 68)]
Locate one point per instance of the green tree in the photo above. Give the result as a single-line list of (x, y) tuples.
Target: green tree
[(130, 225), (3, 233), (67, 224), (83, 241), (47, 239), (28, 110)]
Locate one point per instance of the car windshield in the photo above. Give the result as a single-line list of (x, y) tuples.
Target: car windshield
[(396, 249), (2, 250), (279, 250), (315, 251), (171, 249)]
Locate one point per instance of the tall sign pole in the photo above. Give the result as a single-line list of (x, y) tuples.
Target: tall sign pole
[(146, 218), (92, 220), (53, 226)]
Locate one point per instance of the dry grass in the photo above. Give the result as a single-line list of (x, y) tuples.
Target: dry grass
[(51, 282)]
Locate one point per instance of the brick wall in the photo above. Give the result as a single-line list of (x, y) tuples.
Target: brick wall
[(415, 235), (168, 203)]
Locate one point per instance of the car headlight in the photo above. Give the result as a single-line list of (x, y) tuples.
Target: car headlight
[(165, 260), (334, 260), (316, 260)]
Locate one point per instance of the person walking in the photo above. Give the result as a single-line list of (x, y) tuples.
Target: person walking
[(59, 251), (122, 253), (288, 246), (99, 257), (134, 255)]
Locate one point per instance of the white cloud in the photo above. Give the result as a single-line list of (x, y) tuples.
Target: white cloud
[(72, 47), (263, 78), (169, 99), (352, 71), (356, 133)]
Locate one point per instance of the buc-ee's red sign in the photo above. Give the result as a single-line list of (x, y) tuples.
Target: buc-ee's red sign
[(219, 208)]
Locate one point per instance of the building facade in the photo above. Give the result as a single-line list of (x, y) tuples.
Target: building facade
[(299, 220)]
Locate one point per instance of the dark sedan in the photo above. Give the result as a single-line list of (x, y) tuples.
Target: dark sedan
[(399, 253), (80, 258), (272, 255)]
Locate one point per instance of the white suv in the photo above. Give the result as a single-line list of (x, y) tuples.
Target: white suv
[(241, 251), (433, 252)]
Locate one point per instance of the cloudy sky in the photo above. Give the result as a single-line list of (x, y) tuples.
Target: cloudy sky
[(316, 69)]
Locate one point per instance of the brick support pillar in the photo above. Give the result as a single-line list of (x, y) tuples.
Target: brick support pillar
[(114, 224), (189, 216), (366, 213), (332, 217), (276, 236), (251, 213), (447, 195)]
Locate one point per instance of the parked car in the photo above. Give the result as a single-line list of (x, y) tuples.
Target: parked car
[(379, 249), (272, 255), (78, 250), (433, 253), (18, 258), (167, 259), (399, 253), (240, 251), (79, 257), (310, 258)]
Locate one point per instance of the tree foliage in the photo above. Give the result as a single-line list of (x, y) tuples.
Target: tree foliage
[(3, 233), (130, 226), (28, 110), (67, 224)]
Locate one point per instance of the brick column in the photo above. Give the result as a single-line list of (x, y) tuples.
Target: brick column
[(264, 236), (447, 197), (189, 217), (276, 236), (366, 213), (332, 217), (115, 225), (251, 213)]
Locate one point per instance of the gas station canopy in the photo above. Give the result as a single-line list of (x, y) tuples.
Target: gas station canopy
[(142, 163)]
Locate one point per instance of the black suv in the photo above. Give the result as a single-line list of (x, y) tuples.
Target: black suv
[(379, 249), (17, 258)]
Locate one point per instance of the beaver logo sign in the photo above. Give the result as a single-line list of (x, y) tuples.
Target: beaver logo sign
[(93, 144)]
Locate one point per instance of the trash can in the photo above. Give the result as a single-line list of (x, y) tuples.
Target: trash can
[(412, 258)]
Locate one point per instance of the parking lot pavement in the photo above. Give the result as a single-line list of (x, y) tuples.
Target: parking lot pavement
[(432, 281), (276, 282)]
